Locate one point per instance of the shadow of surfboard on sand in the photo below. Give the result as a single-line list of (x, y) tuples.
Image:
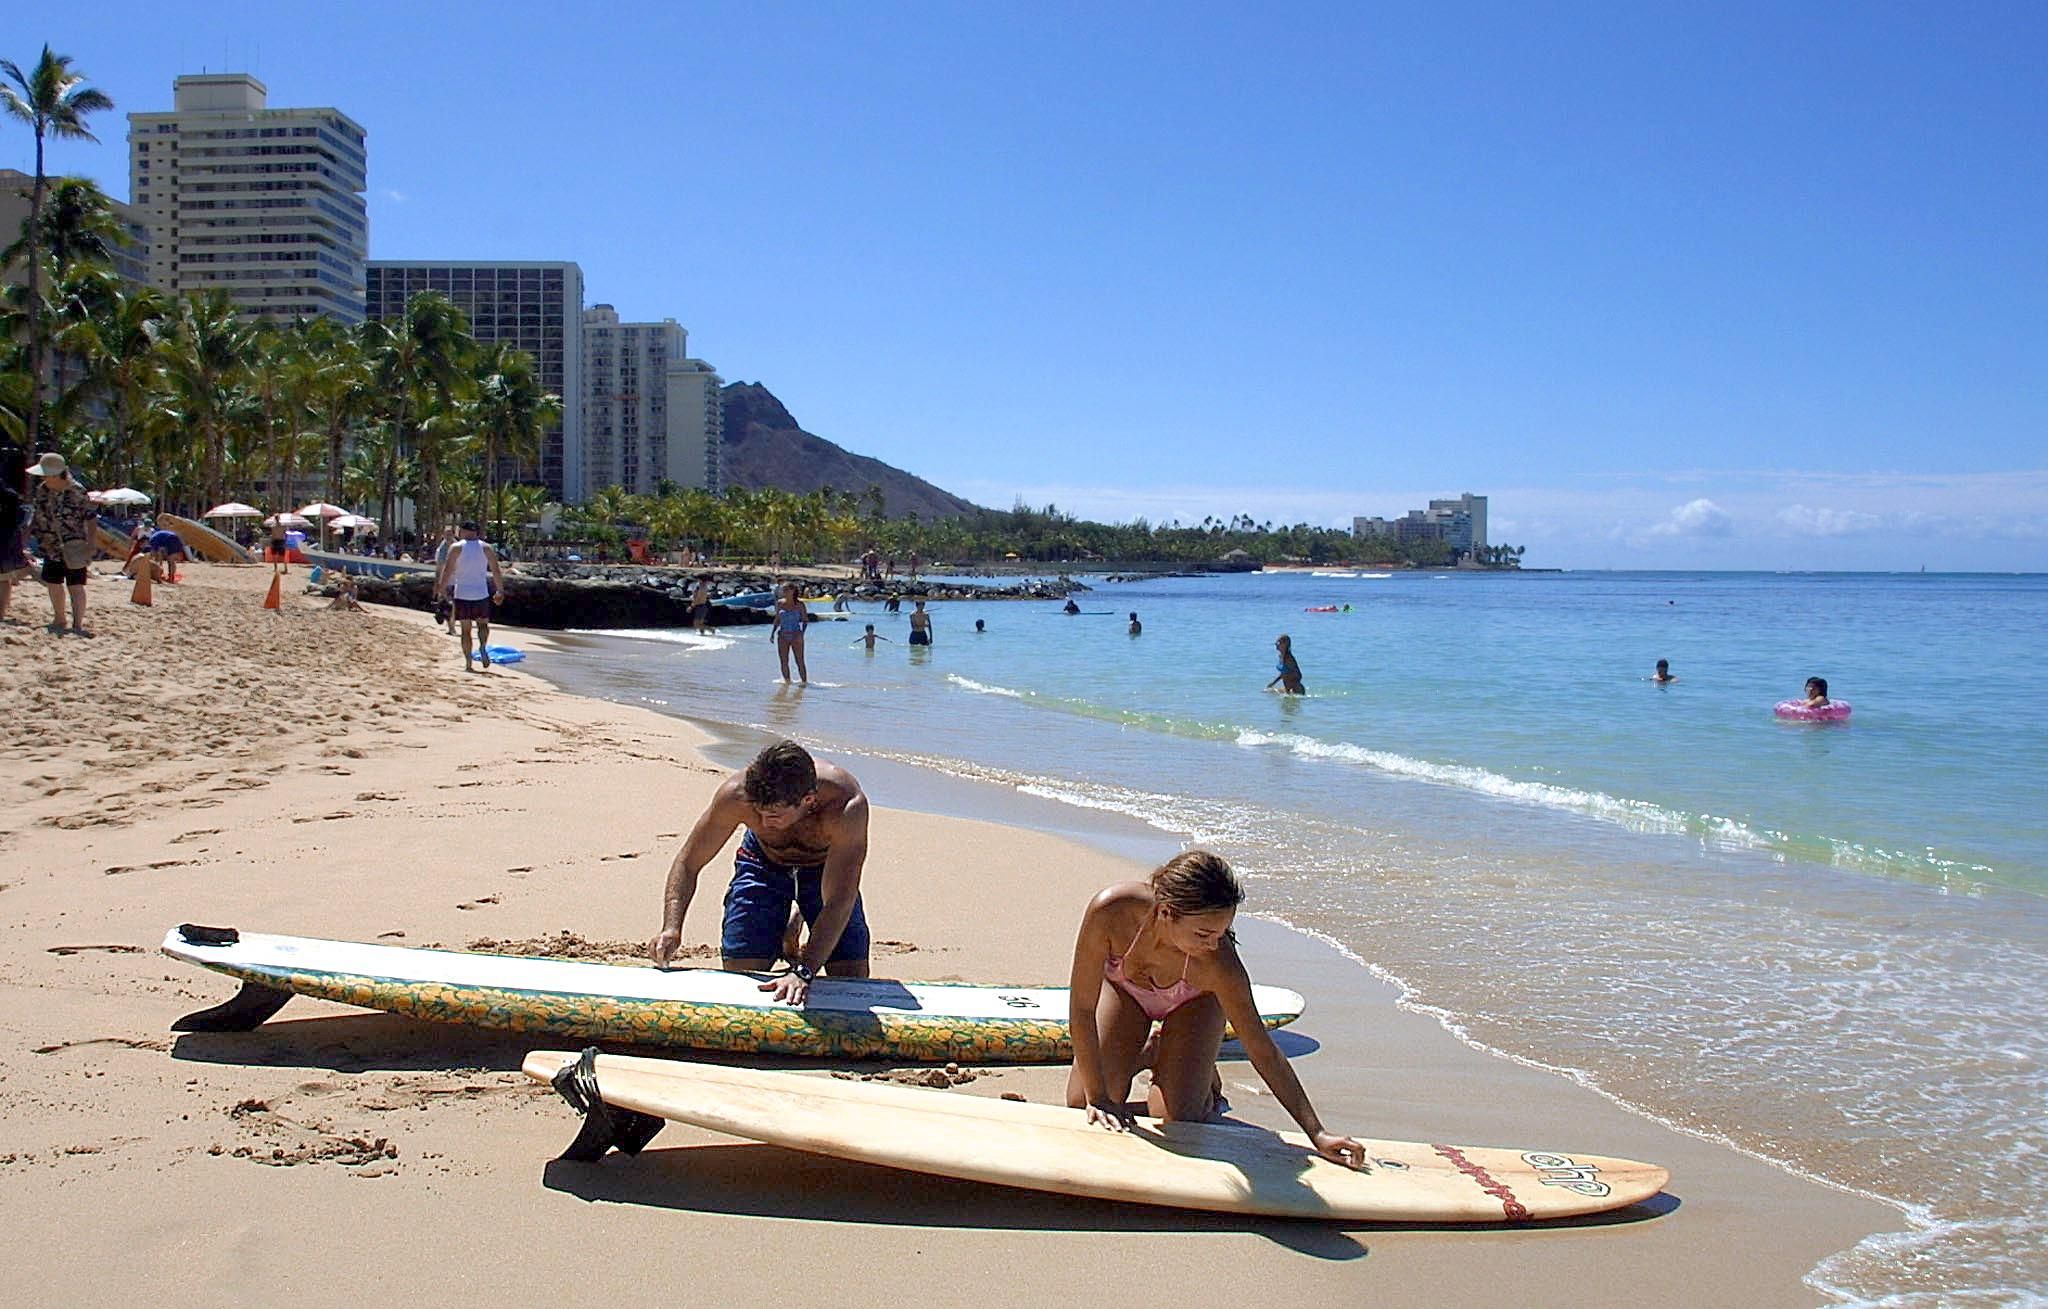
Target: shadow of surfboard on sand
[(753, 1180), (381, 1042)]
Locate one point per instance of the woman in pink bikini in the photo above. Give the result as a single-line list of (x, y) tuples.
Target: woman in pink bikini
[(1134, 937)]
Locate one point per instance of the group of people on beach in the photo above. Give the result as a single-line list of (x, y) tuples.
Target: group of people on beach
[(1154, 981)]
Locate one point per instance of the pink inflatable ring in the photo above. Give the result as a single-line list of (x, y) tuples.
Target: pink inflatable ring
[(1834, 711)]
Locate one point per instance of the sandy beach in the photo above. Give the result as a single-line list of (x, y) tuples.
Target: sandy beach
[(335, 774)]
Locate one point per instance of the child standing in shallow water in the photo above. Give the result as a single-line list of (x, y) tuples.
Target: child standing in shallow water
[(869, 637)]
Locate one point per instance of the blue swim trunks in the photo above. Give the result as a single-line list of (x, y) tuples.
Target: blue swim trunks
[(758, 901)]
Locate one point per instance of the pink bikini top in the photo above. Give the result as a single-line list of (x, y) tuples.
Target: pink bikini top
[(1156, 1002)]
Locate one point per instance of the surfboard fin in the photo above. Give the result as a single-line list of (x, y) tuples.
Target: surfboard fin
[(604, 1125), (255, 1003)]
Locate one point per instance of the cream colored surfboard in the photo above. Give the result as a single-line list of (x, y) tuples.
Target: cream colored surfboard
[(110, 542), (204, 542), (1223, 1167)]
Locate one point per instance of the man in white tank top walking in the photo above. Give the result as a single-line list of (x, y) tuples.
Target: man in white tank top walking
[(471, 575)]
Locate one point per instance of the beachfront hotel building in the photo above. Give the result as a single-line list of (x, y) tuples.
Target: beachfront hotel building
[(264, 204), (651, 414), (1459, 524), (536, 306)]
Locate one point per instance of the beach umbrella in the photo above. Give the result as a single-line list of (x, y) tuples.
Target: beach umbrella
[(354, 520), (289, 520), (233, 509), (323, 509), (123, 495), (97, 497)]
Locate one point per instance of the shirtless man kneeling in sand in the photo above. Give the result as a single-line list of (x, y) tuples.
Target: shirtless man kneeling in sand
[(807, 837)]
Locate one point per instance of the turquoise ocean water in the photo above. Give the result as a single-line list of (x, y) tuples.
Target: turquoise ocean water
[(1823, 943)]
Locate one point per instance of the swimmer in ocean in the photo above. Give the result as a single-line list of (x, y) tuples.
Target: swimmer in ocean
[(1663, 673), (869, 638), (1289, 679)]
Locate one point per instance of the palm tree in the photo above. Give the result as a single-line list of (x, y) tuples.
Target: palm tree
[(513, 412), (204, 359), (77, 227), (124, 364), (332, 374), (53, 101), (416, 357)]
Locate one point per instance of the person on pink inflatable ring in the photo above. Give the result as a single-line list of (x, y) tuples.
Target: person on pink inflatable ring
[(1816, 707)]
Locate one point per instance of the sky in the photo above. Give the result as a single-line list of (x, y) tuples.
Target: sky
[(1675, 285)]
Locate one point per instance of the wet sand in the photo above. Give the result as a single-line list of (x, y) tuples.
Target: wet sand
[(332, 774)]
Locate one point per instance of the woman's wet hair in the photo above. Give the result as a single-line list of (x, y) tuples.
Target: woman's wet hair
[(1816, 686), (781, 776), (1196, 882)]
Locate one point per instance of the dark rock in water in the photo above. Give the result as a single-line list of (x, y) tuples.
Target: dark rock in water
[(564, 595), (559, 603)]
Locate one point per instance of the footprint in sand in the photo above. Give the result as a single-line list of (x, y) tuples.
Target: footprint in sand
[(325, 818), (130, 1042), (194, 835), (240, 784), (199, 802), (119, 869), (375, 795), (76, 822)]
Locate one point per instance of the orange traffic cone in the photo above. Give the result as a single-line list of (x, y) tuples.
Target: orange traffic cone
[(140, 595), (275, 599)]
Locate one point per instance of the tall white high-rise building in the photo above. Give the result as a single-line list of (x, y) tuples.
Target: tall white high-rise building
[(537, 305), (696, 424), (651, 414), (265, 204)]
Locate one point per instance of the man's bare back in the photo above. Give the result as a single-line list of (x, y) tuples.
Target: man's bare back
[(805, 843)]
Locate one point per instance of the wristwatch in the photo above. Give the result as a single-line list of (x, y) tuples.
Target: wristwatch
[(804, 972)]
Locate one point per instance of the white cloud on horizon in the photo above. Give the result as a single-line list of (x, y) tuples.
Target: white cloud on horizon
[(1804, 521), (1701, 517)]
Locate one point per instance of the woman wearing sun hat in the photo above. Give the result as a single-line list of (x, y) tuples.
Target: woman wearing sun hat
[(62, 526)]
